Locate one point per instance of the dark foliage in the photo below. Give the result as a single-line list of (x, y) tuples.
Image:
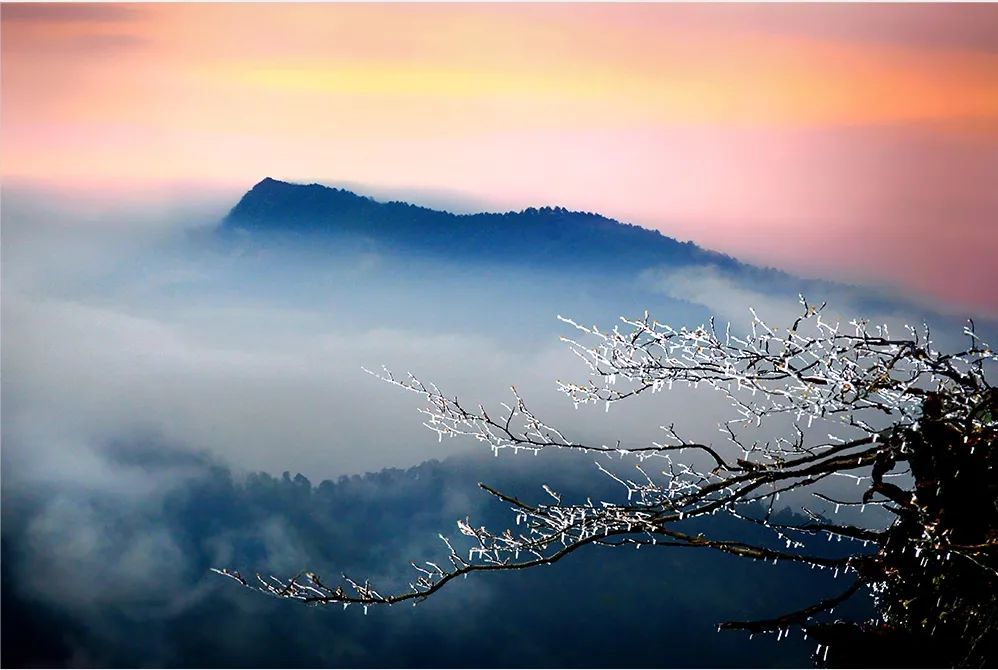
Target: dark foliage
[(369, 522)]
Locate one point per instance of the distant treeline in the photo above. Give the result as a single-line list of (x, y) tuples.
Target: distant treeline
[(92, 578)]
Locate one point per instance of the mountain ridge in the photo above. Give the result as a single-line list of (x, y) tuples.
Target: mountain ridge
[(268, 184), (549, 234)]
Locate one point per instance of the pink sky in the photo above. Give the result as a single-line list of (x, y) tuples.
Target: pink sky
[(852, 141)]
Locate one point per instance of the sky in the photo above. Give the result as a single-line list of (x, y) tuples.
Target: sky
[(857, 141)]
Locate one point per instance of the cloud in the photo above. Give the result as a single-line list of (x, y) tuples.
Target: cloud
[(129, 560), (35, 33), (117, 327), (68, 13), (728, 298), (731, 295), (935, 26), (118, 323)]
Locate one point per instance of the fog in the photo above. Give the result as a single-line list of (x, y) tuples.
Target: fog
[(121, 320), (144, 359), (115, 326)]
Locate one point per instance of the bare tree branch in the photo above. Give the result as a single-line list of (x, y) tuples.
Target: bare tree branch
[(880, 402)]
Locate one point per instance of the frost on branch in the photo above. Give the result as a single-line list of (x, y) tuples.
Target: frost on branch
[(912, 426)]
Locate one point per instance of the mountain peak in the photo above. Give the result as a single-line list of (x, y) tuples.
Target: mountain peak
[(270, 183), (543, 236)]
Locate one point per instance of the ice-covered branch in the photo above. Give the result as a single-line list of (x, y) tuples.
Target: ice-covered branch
[(883, 403)]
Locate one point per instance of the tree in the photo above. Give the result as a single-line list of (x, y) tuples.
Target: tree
[(913, 427)]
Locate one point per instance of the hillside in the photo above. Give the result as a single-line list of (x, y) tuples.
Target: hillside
[(552, 235)]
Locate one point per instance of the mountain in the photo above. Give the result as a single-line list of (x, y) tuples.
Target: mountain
[(602, 257), (95, 607), (549, 235)]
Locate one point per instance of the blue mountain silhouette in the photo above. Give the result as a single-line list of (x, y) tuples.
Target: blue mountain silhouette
[(553, 236), (590, 249)]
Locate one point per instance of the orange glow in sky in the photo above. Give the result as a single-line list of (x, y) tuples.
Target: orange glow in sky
[(855, 141)]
